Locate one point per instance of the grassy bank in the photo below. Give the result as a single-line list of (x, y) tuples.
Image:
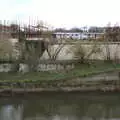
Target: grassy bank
[(80, 70)]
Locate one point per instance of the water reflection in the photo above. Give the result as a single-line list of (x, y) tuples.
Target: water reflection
[(62, 107), (11, 112)]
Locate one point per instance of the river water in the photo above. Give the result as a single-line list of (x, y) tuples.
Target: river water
[(59, 106)]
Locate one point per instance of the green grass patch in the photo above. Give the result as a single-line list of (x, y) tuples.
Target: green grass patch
[(81, 70)]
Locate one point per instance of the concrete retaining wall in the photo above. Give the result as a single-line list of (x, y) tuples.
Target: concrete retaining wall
[(67, 54)]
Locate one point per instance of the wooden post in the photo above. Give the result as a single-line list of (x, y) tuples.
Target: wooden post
[(11, 89), (24, 88), (119, 80)]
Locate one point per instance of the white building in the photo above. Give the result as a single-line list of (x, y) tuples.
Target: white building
[(76, 35)]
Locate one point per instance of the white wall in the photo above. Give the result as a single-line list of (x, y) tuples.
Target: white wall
[(65, 53)]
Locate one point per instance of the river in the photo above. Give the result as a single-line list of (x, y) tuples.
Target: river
[(61, 106)]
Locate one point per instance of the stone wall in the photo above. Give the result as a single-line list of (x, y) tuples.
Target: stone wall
[(41, 67), (54, 67), (47, 67), (7, 67)]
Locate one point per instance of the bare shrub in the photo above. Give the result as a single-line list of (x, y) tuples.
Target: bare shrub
[(53, 49), (84, 53)]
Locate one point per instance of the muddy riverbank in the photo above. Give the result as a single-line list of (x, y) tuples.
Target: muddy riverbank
[(103, 82)]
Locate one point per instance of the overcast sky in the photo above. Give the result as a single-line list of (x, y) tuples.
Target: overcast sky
[(62, 13)]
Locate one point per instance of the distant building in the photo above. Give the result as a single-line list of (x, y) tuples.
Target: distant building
[(76, 35)]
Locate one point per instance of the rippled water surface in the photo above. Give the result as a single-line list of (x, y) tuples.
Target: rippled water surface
[(59, 106)]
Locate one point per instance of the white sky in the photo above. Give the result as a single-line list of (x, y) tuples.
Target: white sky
[(62, 13)]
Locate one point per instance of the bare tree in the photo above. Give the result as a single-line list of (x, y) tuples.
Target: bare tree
[(116, 55), (112, 33), (108, 52), (30, 53), (53, 48), (83, 52), (31, 50)]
